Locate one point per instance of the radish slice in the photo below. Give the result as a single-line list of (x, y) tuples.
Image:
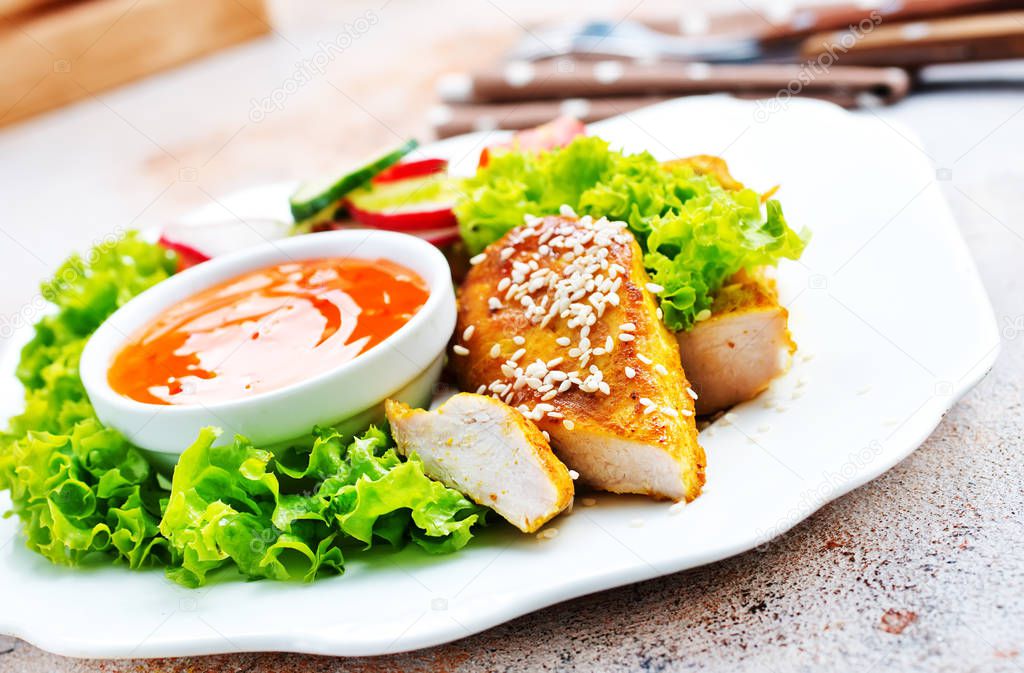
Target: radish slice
[(439, 237), (414, 218), (196, 243), (412, 204), (411, 169)]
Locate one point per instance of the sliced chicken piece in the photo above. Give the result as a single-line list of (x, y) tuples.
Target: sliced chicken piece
[(732, 356), (488, 451), (557, 319)]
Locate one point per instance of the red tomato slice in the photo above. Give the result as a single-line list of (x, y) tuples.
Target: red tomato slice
[(411, 169), (556, 133)]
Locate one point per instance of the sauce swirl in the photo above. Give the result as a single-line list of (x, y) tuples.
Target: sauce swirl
[(266, 329)]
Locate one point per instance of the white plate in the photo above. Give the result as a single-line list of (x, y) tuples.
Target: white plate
[(886, 300)]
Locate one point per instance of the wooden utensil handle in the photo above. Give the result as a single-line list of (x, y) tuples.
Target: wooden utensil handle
[(802, 21), (979, 37), (559, 80)]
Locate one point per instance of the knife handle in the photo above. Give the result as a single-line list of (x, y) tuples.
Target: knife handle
[(980, 37), (801, 21), (590, 80)]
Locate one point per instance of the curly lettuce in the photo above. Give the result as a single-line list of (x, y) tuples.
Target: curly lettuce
[(694, 232), (84, 493)]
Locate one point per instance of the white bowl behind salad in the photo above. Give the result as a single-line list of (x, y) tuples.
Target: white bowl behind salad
[(405, 366)]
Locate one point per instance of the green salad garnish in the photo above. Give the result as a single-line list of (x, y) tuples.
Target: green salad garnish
[(694, 233), (83, 492)]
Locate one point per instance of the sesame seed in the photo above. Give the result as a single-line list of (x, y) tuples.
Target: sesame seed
[(630, 372), (702, 315), (588, 502), (660, 313), (518, 340), (481, 390), (691, 393), (627, 327), (494, 303), (476, 259), (574, 475), (467, 334), (646, 401), (568, 425), (626, 336), (669, 411), (661, 369), (644, 359), (518, 354), (654, 288), (460, 350), (547, 534), (506, 253), (563, 341), (546, 435)]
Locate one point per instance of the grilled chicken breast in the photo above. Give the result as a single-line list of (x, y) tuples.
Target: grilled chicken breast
[(732, 356), (488, 451), (557, 319)]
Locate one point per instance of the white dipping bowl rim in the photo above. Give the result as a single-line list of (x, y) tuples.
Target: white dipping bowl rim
[(289, 412)]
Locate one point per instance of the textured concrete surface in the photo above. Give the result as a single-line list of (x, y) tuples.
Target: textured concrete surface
[(920, 570)]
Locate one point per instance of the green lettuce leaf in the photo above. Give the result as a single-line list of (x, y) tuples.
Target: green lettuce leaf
[(694, 233), (227, 507)]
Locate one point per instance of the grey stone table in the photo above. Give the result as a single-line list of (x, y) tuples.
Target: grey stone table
[(922, 569)]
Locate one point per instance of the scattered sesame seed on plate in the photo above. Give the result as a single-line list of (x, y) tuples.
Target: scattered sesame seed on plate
[(589, 502), (547, 534)]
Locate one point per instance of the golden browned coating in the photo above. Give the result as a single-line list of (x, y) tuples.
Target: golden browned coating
[(640, 435)]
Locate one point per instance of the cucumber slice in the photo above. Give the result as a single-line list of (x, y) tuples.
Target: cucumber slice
[(317, 195)]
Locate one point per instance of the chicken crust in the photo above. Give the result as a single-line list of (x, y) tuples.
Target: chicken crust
[(634, 434)]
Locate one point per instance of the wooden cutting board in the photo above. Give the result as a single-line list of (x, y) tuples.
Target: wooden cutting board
[(61, 53)]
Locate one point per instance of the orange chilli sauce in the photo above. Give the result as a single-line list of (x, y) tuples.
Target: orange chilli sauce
[(266, 329)]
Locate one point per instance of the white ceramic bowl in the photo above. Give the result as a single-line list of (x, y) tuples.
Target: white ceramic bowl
[(404, 366)]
